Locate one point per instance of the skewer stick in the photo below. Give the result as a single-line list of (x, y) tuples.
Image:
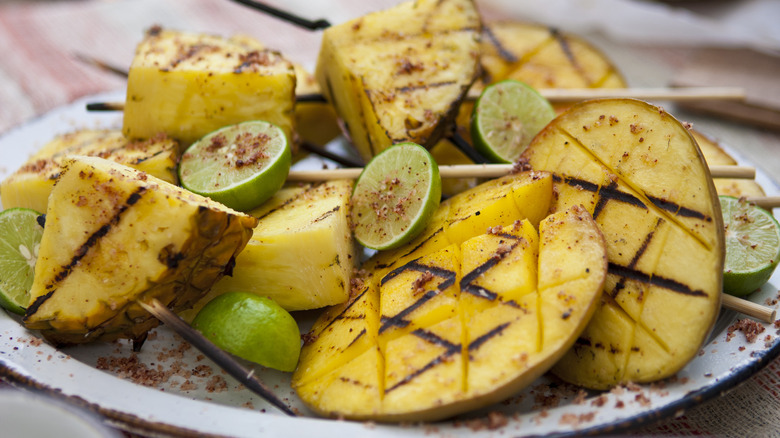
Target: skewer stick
[(286, 16), (219, 356), (749, 308), (681, 94), (482, 171), (766, 202), (557, 95)]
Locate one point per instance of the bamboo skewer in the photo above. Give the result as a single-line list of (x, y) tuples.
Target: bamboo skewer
[(558, 95), (482, 171), (749, 308), (219, 356)]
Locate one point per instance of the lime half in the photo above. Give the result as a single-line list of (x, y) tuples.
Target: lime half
[(752, 246), (240, 166), (252, 327), (395, 196), (506, 117), (20, 238)]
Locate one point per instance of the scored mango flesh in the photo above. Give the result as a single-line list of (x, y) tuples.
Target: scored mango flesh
[(476, 308), (641, 175)]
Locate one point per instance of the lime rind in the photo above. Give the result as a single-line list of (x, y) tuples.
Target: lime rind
[(752, 237), (506, 117), (20, 237), (251, 327), (395, 196), (227, 168)]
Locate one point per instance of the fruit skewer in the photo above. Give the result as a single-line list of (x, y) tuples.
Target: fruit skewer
[(496, 170)]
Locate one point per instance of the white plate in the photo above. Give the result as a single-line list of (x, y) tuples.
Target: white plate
[(200, 399)]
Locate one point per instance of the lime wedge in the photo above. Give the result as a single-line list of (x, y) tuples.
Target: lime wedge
[(506, 117), (752, 246), (252, 327), (240, 165), (20, 238), (395, 196)]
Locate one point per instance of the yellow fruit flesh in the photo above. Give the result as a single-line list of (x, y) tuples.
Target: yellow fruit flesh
[(642, 177), (114, 236), (188, 85), (30, 186), (461, 325), (398, 75), (301, 253)]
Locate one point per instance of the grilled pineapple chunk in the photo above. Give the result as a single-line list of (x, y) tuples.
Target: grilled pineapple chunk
[(115, 236), (31, 184), (642, 176), (457, 328), (301, 254), (188, 85), (399, 75)]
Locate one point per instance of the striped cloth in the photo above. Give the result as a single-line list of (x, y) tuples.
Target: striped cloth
[(39, 71)]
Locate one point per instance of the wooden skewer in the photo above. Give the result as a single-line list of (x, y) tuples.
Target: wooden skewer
[(766, 202), (483, 171), (219, 356), (557, 95), (749, 308)]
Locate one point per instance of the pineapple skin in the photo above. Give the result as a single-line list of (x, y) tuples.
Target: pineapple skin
[(301, 254), (115, 236), (30, 185), (188, 85), (399, 75)]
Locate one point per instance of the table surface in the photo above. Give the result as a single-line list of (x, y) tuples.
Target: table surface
[(39, 71)]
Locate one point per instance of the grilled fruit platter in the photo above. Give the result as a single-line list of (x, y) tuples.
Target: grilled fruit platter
[(596, 262)]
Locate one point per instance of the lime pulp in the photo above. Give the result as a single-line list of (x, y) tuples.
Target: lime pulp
[(506, 117), (752, 246), (252, 327), (20, 238), (395, 196), (240, 166)]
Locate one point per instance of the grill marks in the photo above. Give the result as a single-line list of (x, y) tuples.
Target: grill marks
[(82, 251), (612, 193), (399, 320), (466, 285), (467, 282), (450, 349)]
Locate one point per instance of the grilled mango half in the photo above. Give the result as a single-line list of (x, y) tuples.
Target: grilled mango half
[(115, 236), (399, 75), (31, 184), (465, 316), (641, 175)]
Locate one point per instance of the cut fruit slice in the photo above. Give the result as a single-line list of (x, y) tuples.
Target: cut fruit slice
[(20, 238), (395, 196), (643, 178), (114, 237), (506, 117), (752, 246), (240, 166), (252, 327)]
